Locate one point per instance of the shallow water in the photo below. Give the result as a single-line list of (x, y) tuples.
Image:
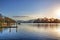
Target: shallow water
[(30, 31)]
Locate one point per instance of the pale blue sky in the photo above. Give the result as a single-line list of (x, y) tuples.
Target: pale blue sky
[(27, 7)]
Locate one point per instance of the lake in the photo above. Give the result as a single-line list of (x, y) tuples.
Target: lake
[(32, 31)]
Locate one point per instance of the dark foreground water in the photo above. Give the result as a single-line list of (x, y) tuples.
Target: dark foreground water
[(32, 31)]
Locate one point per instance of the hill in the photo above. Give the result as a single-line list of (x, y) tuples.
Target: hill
[(6, 21)]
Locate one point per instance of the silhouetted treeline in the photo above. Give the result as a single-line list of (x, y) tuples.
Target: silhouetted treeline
[(40, 20), (46, 20)]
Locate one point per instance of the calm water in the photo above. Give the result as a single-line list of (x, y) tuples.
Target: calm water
[(30, 31)]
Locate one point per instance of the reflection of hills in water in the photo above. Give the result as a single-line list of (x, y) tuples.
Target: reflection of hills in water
[(37, 29), (38, 25), (2, 29), (46, 25)]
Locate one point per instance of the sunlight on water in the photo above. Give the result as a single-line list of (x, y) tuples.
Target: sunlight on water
[(32, 31)]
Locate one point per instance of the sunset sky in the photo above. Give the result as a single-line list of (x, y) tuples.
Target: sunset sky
[(33, 8)]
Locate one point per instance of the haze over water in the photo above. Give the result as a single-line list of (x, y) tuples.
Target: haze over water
[(42, 31)]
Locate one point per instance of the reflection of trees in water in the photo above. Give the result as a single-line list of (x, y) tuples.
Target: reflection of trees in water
[(11, 30), (46, 25), (2, 29)]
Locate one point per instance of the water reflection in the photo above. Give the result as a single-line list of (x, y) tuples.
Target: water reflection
[(33, 31), (2, 29), (48, 30), (11, 30), (47, 25)]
